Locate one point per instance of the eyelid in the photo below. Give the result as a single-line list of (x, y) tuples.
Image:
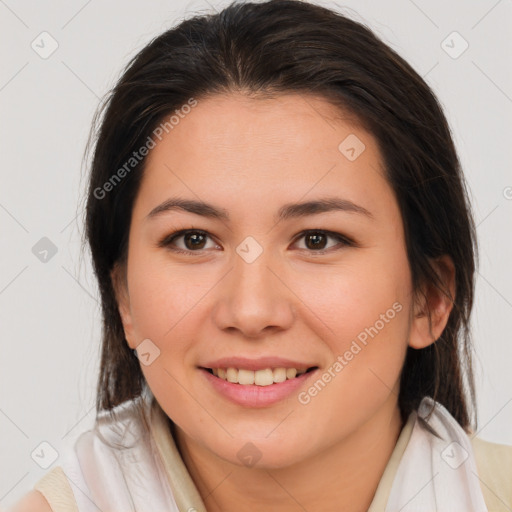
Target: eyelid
[(346, 241), (166, 241)]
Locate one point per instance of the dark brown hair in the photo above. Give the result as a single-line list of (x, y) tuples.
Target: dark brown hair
[(290, 46)]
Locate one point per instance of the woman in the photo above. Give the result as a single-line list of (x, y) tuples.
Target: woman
[(285, 251)]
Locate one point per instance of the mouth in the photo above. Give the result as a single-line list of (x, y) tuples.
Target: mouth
[(255, 383), (258, 387), (263, 377)]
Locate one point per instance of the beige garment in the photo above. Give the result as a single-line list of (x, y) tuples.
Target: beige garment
[(54, 486), (494, 462), (494, 466)]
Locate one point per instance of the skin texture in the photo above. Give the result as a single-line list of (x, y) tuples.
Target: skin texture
[(34, 501), (250, 157)]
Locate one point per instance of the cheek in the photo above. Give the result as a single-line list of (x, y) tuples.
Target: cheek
[(162, 300), (162, 296), (356, 299), (367, 356), (365, 319)]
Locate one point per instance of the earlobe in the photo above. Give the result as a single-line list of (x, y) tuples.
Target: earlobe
[(433, 306), (118, 278)]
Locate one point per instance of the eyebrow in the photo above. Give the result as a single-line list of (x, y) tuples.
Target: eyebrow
[(288, 211)]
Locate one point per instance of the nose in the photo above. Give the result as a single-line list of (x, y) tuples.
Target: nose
[(254, 299)]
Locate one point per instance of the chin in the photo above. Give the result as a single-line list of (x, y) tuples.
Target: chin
[(261, 453)]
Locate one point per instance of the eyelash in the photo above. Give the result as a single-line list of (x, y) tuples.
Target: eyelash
[(168, 239)]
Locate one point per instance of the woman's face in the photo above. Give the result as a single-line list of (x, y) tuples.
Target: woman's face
[(247, 289)]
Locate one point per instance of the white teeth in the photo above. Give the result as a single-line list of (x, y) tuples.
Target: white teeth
[(279, 374), (291, 373), (264, 377), (232, 375), (245, 377)]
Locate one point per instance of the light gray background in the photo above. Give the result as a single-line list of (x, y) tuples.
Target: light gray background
[(49, 312)]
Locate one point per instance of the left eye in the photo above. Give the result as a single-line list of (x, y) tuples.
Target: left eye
[(194, 240), (193, 237), (316, 238)]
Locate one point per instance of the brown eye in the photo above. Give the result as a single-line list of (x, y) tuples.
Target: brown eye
[(193, 241), (315, 241), (196, 241)]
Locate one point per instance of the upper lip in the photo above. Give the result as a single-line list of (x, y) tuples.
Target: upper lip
[(256, 364)]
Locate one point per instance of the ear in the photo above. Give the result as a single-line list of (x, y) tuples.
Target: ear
[(120, 285), (432, 307)]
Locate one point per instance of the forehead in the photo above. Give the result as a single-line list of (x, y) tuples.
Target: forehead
[(280, 149), (280, 127)]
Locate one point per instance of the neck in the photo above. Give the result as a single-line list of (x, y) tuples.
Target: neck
[(344, 477)]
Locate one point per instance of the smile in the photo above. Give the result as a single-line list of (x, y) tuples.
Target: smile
[(264, 377), (256, 388)]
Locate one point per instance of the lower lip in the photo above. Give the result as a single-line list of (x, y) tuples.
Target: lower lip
[(256, 396)]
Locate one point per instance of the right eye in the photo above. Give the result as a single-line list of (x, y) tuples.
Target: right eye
[(193, 240)]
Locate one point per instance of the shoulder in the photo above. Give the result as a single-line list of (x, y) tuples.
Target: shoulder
[(494, 463), (114, 431), (118, 439), (503, 452), (55, 489), (34, 501), (493, 455)]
